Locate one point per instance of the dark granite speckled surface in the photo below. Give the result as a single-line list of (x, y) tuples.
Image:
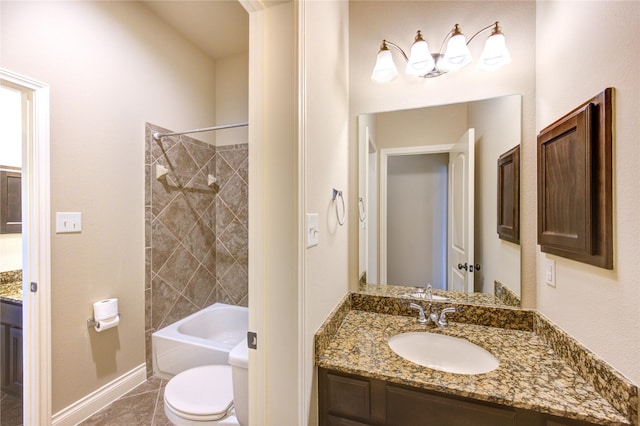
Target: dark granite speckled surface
[(533, 374), (506, 295), (11, 286)]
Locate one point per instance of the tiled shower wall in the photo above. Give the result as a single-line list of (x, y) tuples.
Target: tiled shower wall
[(196, 235)]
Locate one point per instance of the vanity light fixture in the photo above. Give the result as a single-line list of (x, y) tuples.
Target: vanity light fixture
[(422, 63)]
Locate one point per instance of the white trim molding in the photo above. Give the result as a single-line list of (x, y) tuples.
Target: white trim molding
[(100, 398), (384, 156), (36, 250)]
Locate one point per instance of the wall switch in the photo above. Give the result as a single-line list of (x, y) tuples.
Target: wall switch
[(313, 231), (68, 222), (550, 272)]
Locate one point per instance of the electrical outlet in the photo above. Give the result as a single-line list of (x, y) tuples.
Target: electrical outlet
[(550, 272)]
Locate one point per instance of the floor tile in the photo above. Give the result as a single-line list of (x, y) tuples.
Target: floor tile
[(10, 410)]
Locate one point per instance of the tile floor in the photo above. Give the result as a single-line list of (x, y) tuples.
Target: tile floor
[(10, 410), (142, 406)]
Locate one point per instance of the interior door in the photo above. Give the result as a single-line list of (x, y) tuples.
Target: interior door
[(461, 217)]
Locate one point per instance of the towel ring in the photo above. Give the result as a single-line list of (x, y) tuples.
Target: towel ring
[(339, 216), (361, 212)]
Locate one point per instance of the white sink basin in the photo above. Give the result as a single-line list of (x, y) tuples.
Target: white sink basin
[(444, 353)]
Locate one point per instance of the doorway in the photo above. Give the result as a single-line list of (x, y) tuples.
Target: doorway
[(456, 230), (34, 258), (417, 220)]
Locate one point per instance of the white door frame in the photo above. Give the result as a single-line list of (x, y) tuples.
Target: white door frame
[(36, 251), (371, 208), (384, 157), (265, 311)]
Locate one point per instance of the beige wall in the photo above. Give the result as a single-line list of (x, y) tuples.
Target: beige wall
[(111, 67), (497, 130), (420, 126), (371, 21), (582, 48), (232, 98), (325, 164)]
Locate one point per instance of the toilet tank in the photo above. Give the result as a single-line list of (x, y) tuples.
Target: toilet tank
[(239, 361)]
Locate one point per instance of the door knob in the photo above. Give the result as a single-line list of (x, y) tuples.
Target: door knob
[(465, 266)]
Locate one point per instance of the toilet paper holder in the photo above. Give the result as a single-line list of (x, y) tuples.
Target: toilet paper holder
[(92, 322)]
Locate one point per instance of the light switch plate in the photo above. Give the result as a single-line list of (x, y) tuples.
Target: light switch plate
[(550, 272), (313, 232), (68, 222)]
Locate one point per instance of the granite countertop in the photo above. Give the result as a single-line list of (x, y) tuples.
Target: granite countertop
[(530, 375), (11, 286)]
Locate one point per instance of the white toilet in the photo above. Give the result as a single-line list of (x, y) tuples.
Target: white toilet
[(212, 394)]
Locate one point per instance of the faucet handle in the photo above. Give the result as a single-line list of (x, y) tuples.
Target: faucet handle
[(442, 321), (422, 319)]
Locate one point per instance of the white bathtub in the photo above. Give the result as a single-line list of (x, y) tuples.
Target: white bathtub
[(203, 338)]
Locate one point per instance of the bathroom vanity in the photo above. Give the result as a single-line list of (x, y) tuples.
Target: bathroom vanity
[(362, 381), (349, 400), (11, 332)]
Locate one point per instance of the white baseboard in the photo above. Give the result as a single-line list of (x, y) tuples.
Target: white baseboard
[(99, 399)]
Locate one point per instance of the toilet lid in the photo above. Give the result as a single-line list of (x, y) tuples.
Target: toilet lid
[(201, 392)]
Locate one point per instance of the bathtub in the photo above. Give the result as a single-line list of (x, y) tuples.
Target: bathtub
[(203, 338)]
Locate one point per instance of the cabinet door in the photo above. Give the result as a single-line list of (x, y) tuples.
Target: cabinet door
[(14, 379), (348, 397), (4, 355), (406, 407)]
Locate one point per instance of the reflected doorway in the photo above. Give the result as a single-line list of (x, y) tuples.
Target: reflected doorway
[(417, 220)]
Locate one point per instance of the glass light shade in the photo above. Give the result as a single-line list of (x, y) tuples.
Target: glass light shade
[(457, 54), (420, 61), (495, 53), (385, 70)]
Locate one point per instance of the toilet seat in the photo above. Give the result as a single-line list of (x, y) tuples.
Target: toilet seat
[(201, 393)]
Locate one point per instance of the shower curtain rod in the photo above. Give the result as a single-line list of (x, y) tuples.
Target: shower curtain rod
[(157, 136)]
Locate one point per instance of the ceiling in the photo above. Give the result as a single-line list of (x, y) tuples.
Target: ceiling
[(219, 27)]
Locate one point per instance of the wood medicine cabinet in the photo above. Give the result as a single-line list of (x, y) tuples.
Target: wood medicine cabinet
[(10, 200), (509, 195), (575, 184)]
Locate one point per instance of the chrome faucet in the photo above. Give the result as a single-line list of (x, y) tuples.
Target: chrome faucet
[(442, 320), (438, 319), (422, 319), (425, 292)]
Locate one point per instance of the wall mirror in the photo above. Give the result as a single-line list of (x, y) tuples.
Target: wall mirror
[(427, 189)]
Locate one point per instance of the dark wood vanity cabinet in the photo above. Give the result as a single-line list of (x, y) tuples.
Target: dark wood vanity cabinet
[(11, 348), (10, 200), (350, 400)]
